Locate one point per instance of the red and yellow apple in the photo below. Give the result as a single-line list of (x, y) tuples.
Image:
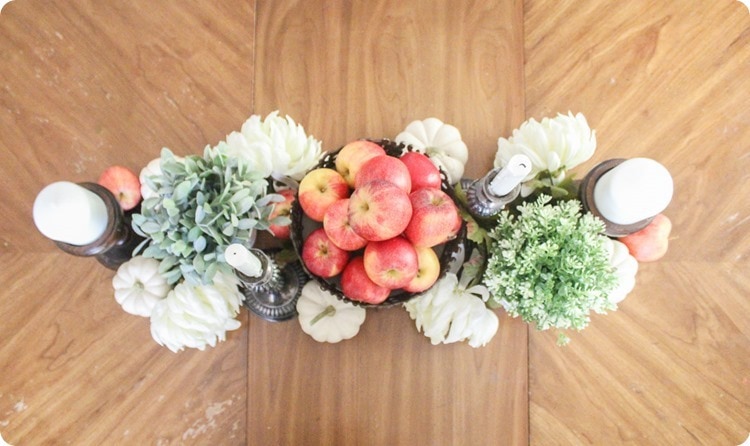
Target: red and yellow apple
[(282, 209), (321, 256), (434, 219), (124, 185), (421, 171), (650, 243), (391, 263), (337, 227), (352, 156), (427, 271), (319, 189), (385, 168), (379, 210), (356, 285)]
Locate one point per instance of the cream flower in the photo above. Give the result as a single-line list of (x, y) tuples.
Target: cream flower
[(153, 168), (274, 146), (196, 316), (441, 142), (554, 145), (448, 312)]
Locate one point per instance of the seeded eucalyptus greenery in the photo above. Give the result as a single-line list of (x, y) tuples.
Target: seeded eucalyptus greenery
[(549, 265), (202, 205)]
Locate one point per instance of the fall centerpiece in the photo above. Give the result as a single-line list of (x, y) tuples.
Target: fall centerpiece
[(375, 223)]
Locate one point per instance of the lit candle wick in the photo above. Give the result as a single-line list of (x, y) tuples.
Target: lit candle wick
[(511, 175), (244, 261)]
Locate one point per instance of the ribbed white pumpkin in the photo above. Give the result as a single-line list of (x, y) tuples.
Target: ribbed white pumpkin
[(441, 142), (325, 317), (626, 267), (139, 286)]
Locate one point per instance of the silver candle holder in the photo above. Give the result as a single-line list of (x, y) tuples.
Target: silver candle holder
[(274, 293), (481, 201)]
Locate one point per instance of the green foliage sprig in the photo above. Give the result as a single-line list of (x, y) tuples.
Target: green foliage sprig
[(549, 265), (202, 205)]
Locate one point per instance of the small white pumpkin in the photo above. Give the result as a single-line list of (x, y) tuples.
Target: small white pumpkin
[(325, 317), (441, 142), (139, 286), (626, 267)]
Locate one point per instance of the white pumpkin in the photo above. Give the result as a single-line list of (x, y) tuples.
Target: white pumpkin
[(325, 317), (139, 286), (441, 142), (626, 267)]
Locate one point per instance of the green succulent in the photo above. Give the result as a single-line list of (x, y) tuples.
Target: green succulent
[(549, 265), (202, 205)]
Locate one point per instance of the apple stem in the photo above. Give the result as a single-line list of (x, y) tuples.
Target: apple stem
[(329, 311)]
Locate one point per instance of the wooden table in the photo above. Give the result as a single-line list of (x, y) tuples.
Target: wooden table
[(84, 85)]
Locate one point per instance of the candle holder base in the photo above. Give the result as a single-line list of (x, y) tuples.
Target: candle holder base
[(586, 195), (480, 201), (276, 299), (116, 245)]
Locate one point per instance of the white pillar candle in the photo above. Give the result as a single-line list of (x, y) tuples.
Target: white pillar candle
[(634, 190), (244, 261), (69, 213), (511, 175)]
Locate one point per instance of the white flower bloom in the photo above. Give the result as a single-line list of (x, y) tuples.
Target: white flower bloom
[(448, 312), (274, 146), (554, 145), (153, 168), (441, 142), (196, 316)]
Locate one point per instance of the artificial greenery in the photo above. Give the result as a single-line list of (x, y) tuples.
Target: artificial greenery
[(549, 265), (202, 205)]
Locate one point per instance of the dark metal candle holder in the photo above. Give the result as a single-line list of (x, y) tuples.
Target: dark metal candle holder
[(586, 195), (273, 295), (482, 202), (115, 246)]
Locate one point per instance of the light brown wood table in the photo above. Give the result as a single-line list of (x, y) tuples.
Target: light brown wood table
[(84, 85)]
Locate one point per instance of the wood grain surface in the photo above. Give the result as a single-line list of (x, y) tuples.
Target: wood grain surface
[(85, 84), (669, 81)]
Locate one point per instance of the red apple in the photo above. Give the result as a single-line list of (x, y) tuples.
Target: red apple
[(379, 210), (337, 227), (322, 258), (434, 218), (386, 168), (427, 272), (650, 243), (319, 189), (282, 209), (353, 155), (421, 170), (124, 185), (356, 285), (391, 263)]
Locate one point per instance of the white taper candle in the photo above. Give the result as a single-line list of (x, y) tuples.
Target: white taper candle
[(244, 261), (511, 175)]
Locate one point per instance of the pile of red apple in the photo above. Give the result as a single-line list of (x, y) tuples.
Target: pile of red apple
[(380, 219)]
